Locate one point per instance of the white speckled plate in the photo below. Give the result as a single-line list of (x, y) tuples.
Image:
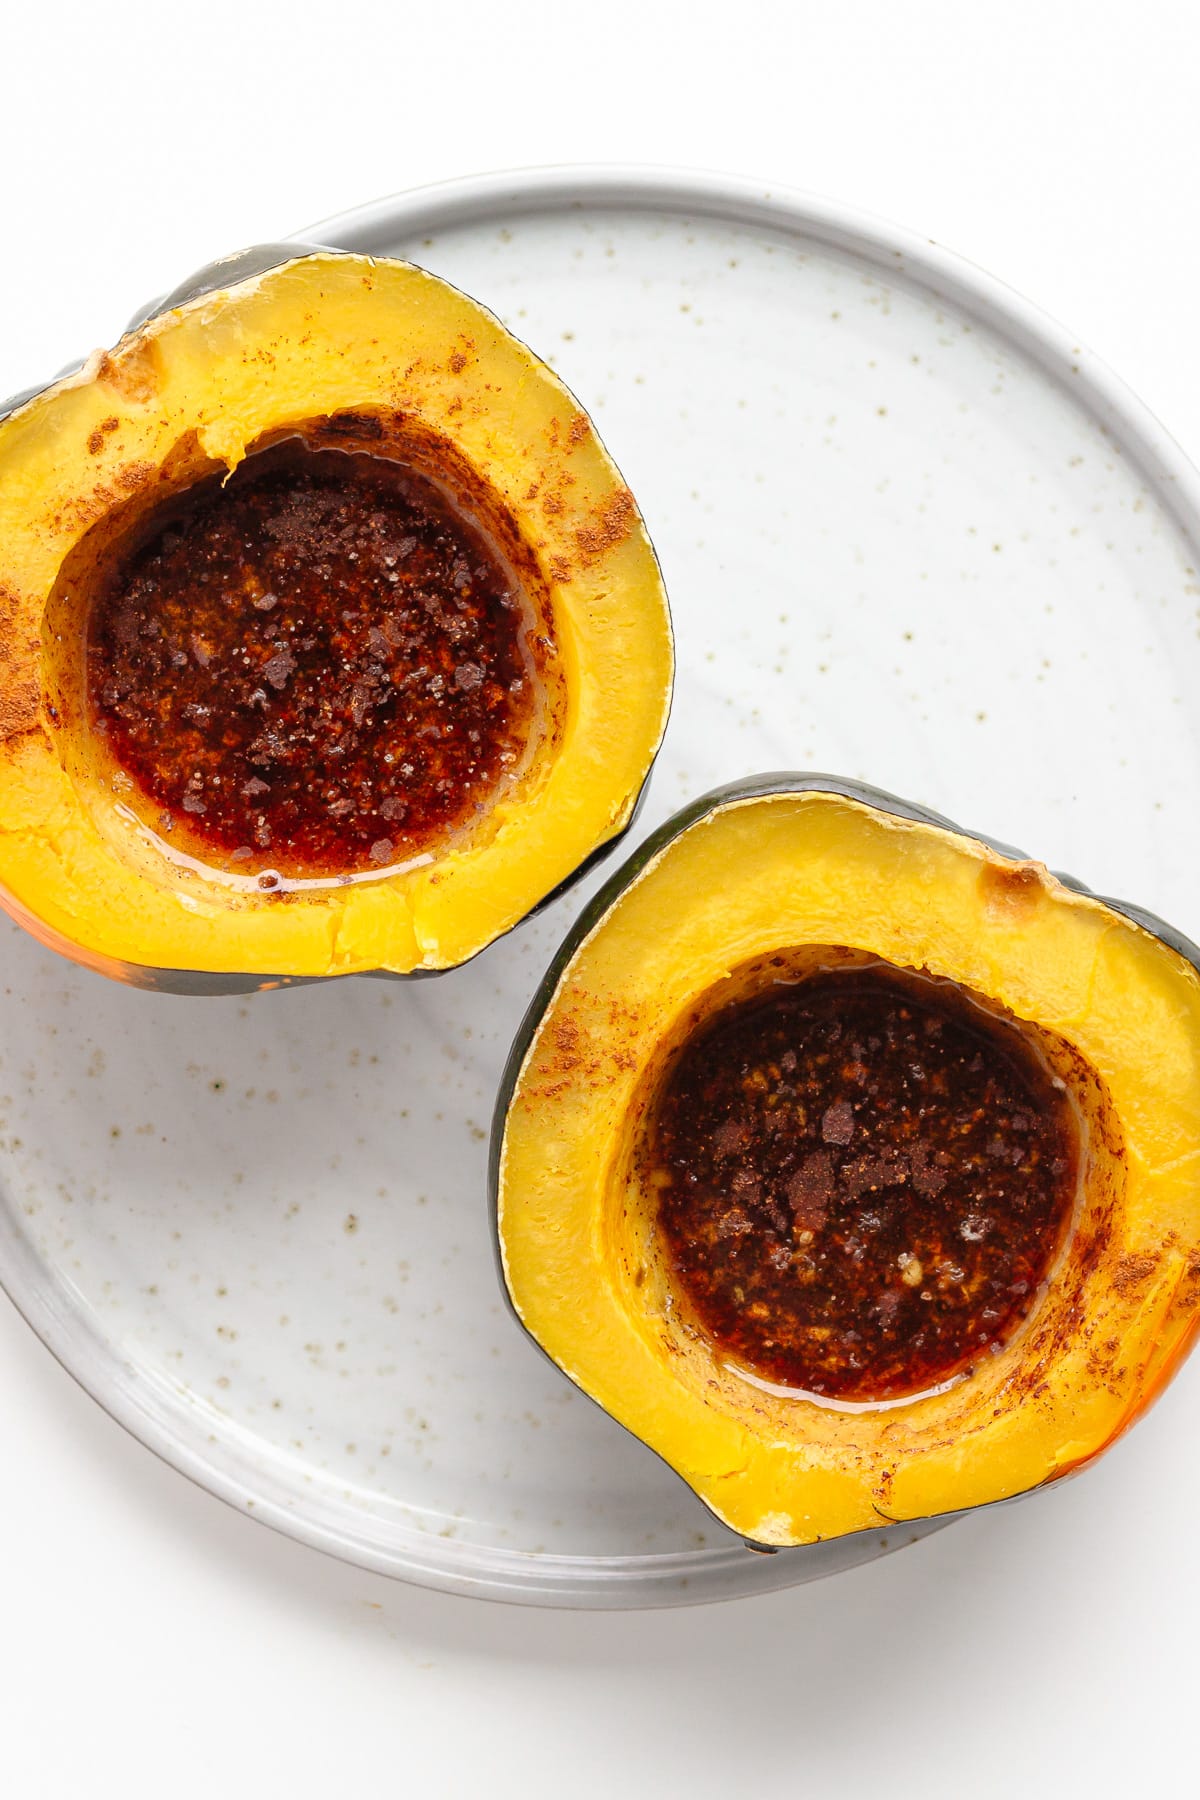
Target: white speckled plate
[(911, 534)]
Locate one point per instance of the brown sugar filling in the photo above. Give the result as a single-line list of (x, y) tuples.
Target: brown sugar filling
[(316, 666), (864, 1179)]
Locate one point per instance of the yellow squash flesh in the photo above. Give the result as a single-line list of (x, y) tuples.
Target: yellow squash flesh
[(576, 1233), (322, 337)]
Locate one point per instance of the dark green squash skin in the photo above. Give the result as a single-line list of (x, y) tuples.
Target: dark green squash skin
[(753, 787)]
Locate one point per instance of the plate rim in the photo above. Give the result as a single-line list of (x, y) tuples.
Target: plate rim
[(92, 1360), (741, 199)]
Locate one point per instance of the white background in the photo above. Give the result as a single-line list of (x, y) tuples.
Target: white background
[(152, 1643)]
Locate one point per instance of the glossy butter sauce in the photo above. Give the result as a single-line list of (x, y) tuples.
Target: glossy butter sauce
[(864, 1179), (316, 666)]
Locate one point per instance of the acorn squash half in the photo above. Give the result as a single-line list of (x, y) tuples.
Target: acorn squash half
[(326, 352), (782, 863)]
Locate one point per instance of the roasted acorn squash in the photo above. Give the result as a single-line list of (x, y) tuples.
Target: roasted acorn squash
[(336, 352), (785, 862)]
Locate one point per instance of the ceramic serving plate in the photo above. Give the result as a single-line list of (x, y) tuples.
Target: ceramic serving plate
[(912, 534)]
